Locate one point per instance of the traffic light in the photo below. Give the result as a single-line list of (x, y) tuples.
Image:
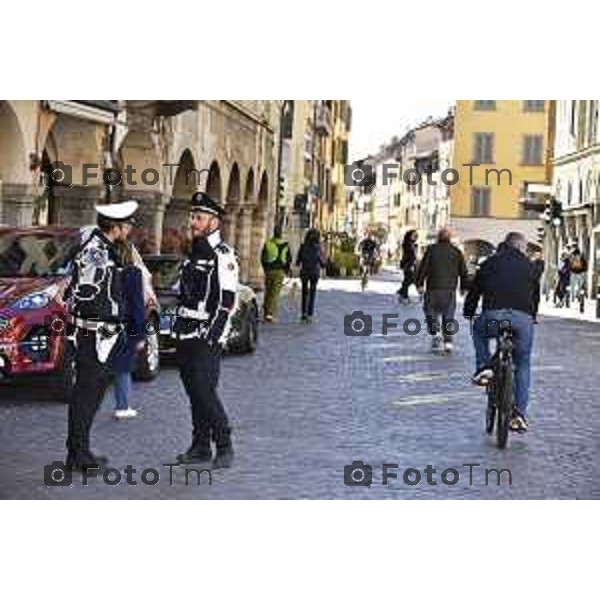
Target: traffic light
[(282, 188), (556, 212)]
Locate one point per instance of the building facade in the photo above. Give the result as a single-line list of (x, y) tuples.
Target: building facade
[(160, 152), (500, 148), (576, 182), (314, 151), (407, 191)]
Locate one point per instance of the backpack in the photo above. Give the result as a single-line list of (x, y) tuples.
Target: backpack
[(279, 260), (577, 264)]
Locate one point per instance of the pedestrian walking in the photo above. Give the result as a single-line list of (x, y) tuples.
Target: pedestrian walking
[(97, 307), (408, 263), (275, 259), (578, 266), (563, 281), (124, 364), (207, 300), (535, 256), (310, 260), (443, 265)]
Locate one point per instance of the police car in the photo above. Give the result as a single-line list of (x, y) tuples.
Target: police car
[(243, 334)]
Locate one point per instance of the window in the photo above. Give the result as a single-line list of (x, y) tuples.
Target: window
[(483, 151), (534, 105), (533, 146), (485, 105), (573, 113), (480, 202), (593, 121)]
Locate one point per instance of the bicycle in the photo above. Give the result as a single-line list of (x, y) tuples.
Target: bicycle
[(366, 269), (500, 388)]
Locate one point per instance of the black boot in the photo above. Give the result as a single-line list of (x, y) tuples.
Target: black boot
[(224, 457), (198, 452), (83, 460)]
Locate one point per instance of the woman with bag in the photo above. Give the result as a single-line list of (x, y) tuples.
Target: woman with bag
[(124, 364), (310, 260)]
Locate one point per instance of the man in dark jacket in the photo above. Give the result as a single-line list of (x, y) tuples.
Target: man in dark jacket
[(442, 266), (507, 283)]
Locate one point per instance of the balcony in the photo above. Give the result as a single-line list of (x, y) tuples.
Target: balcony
[(97, 111), (323, 121), (161, 108)]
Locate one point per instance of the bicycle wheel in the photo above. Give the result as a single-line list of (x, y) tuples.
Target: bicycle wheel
[(504, 403), (490, 413)]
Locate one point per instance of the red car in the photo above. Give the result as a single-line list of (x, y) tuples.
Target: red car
[(34, 273)]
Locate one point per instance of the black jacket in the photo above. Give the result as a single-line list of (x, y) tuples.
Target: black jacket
[(441, 267), (409, 255), (508, 279), (310, 260)]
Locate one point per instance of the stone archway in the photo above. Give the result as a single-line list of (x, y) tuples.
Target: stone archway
[(243, 230), (139, 155), (76, 185), (259, 231), (213, 185), (476, 249), (232, 205), (176, 219), (16, 194)]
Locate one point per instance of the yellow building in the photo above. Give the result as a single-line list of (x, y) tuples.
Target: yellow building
[(511, 143)]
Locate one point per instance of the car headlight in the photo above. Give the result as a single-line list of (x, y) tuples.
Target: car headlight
[(35, 300)]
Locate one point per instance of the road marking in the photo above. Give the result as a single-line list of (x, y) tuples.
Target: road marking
[(407, 358), (547, 368), (419, 377), (437, 398), (387, 345)]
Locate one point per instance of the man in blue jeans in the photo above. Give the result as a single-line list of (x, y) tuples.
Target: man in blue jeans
[(507, 284)]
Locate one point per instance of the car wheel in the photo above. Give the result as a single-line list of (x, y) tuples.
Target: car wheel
[(148, 362), (251, 333), (248, 339)]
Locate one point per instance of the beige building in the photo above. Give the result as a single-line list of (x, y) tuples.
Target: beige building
[(163, 150), (314, 151), (576, 182), (403, 196)]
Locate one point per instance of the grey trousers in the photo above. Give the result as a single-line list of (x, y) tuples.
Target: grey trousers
[(440, 303)]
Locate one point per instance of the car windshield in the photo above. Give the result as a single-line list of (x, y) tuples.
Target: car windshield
[(35, 254), (165, 271)]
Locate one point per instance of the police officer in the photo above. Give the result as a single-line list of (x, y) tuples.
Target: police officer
[(97, 307), (207, 300)]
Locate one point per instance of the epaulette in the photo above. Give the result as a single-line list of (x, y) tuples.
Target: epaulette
[(223, 248)]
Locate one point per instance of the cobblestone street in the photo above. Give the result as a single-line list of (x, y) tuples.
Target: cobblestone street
[(312, 400)]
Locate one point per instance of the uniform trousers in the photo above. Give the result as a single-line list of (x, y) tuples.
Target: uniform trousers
[(199, 367)]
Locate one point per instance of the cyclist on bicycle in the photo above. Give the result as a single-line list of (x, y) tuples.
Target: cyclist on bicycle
[(507, 283), (369, 251)]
